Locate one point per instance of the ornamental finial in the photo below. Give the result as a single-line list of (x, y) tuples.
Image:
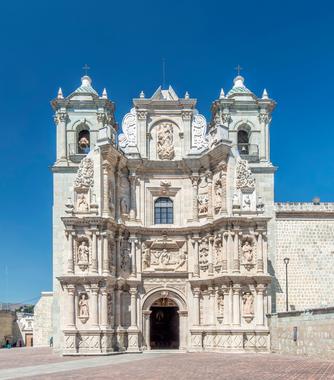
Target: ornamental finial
[(265, 94), (60, 94), (104, 94), (222, 94)]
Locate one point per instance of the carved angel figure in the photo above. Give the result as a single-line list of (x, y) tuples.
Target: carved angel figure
[(82, 204), (165, 147), (83, 306), (247, 251), (83, 253), (248, 302), (182, 260), (246, 202)]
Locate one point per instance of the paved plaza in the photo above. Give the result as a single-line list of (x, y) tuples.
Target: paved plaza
[(42, 363)]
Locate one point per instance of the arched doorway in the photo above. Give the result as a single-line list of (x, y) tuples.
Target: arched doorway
[(164, 325), (169, 330)]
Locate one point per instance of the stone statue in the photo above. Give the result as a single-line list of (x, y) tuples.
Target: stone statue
[(203, 204), (247, 251), (83, 306), (182, 260), (124, 206), (165, 147), (246, 202), (110, 307), (248, 301), (83, 253), (220, 304), (82, 204), (146, 257)]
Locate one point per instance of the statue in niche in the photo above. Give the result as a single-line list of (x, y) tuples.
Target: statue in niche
[(203, 204), (111, 197), (83, 307), (83, 253), (246, 205), (146, 257), (124, 206), (125, 259), (220, 304), (247, 251), (82, 204), (165, 147), (219, 192), (203, 255), (248, 302), (218, 249)]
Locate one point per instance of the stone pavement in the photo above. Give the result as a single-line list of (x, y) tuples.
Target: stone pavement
[(42, 364)]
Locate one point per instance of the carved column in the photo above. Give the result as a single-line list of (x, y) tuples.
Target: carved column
[(146, 317), (265, 251), (118, 254), (94, 305), (236, 304), (133, 180), (226, 292), (211, 241), (70, 266), (105, 260), (260, 289), (212, 306), (60, 120), (194, 181), (94, 251), (196, 256), (210, 195), (133, 242), (70, 309), (262, 151), (133, 293), (197, 293), (225, 251), (118, 301), (105, 203), (104, 307), (236, 261), (259, 253)]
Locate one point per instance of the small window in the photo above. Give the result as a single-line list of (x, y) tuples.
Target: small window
[(243, 142), (163, 211), (83, 142)]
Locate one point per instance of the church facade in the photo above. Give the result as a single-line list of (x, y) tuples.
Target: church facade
[(165, 233)]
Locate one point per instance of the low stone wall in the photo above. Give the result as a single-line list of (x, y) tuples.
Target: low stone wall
[(42, 330), (309, 332)]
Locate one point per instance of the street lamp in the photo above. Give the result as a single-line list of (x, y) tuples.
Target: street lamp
[(286, 262)]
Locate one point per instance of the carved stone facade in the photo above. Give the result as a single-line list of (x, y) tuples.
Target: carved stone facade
[(171, 227)]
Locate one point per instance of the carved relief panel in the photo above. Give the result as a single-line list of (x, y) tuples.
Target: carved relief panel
[(164, 256), (203, 196), (165, 141)]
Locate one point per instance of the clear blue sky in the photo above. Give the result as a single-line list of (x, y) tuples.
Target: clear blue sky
[(285, 46)]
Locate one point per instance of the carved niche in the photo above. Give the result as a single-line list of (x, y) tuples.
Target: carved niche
[(165, 141), (129, 127), (203, 196), (248, 306), (220, 192), (125, 262), (83, 307), (245, 196), (204, 254), (199, 138), (248, 251), (164, 256), (124, 195), (218, 250), (82, 252), (83, 183), (220, 306)]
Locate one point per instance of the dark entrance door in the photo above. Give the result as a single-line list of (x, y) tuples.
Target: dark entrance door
[(164, 328)]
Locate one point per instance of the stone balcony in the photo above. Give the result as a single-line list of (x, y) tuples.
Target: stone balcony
[(249, 152)]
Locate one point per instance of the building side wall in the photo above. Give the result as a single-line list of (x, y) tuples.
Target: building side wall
[(42, 330), (307, 333), (7, 319), (309, 244)]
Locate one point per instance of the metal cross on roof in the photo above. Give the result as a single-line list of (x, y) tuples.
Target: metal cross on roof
[(238, 68), (86, 68)]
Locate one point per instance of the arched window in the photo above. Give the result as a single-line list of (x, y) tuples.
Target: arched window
[(243, 142), (163, 211), (83, 142)]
